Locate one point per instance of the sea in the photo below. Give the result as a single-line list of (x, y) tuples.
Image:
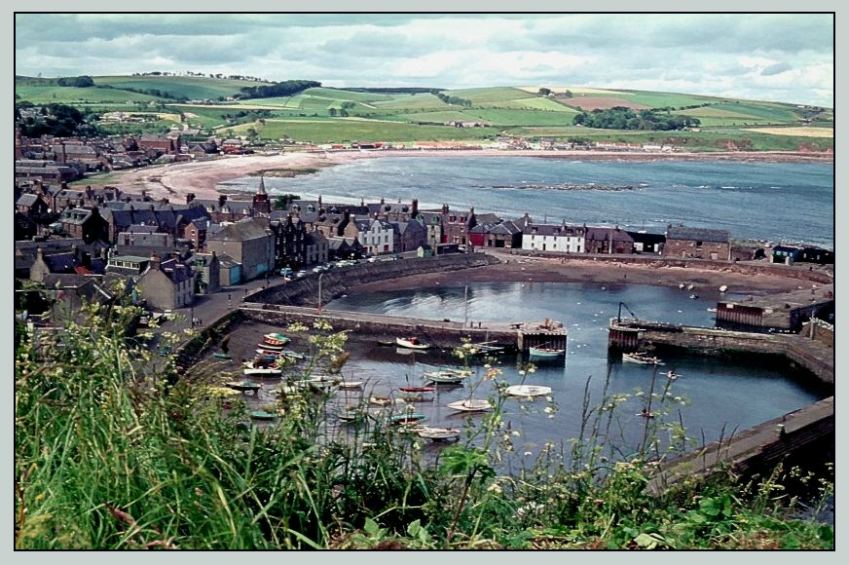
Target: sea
[(791, 202)]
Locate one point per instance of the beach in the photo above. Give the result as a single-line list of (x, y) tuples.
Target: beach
[(175, 181)]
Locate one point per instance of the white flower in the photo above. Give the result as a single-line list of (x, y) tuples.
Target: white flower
[(494, 488)]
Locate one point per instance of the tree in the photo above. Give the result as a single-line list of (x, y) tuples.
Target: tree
[(333, 112), (343, 112), (544, 92)]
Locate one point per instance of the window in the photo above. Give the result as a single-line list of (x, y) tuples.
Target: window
[(698, 244)]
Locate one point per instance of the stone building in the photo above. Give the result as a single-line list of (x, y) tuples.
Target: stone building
[(167, 284), (697, 243), (249, 242)]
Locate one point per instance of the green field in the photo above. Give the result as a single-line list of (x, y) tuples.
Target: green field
[(387, 116), (193, 88), (79, 96), (342, 131)]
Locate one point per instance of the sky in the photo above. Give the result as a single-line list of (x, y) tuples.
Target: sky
[(780, 57)]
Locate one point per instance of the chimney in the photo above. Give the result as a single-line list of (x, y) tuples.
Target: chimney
[(39, 253), (222, 198), (382, 201), (155, 261), (319, 202), (415, 211)]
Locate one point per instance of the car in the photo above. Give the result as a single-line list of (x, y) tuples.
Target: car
[(287, 272), (300, 274)]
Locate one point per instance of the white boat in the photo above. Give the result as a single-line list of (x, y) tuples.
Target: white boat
[(527, 391), (672, 375), (411, 343), (545, 352), (438, 434), (350, 384), (446, 376), (723, 288), (681, 285), (252, 370), (471, 405), (711, 309), (641, 359)]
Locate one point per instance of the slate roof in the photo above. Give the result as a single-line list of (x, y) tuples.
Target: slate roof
[(239, 231), (505, 228), (556, 230), (605, 234), (177, 272), (698, 234), (27, 200)]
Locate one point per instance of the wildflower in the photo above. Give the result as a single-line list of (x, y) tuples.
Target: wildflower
[(494, 487)]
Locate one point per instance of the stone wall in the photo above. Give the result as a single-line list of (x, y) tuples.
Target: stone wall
[(337, 282)]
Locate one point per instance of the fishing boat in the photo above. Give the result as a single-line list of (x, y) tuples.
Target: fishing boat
[(411, 343), (243, 386), (269, 348), (545, 352), (527, 391), (257, 370), (438, 434), (471, 405), (263, 415), (641, 358)]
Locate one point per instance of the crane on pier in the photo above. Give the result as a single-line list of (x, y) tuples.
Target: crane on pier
[(619, 315)]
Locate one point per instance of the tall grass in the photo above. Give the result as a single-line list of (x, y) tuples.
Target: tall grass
[(114, 451)]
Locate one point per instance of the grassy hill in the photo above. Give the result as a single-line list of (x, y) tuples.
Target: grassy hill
[(322, 115)]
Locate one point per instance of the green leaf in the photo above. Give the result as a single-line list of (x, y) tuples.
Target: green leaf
[(371, 527)]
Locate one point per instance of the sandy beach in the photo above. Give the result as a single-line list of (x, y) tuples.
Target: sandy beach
[(517, 268), (175, 181)]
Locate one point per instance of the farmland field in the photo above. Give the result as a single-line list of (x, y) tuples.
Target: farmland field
[(81, 96), (797, 131), (419, 101), (591, 102), (187, 87), (341, 130)]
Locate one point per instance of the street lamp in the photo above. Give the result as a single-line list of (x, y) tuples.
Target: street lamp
[(319, 292)]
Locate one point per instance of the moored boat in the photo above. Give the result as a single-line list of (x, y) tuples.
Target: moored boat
[(263, 415), (438, 434), (527, 391), (411, 343), (256, 370), (545, 352), (407, 418), (222, 355), (446, 377), (471, 405), (243, 386), (350, 384), (641, 358)]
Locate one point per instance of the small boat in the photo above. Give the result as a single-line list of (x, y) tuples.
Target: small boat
[(292, 355), (386, 343), (269, 348), (681, 285), (672, 375), (411, 343), (446, 377), (352, 414), (641, 358), (417, 389), (380, 400), (711, 309), (243, 386), (407, 418), (545, 352), (275, 338), (690, 287), (723, 288), (263, 415), (253, 370), (222, 355), (471, 405), (527, 391), (646, 413), (438, 434), (350, 384), (694, 297)]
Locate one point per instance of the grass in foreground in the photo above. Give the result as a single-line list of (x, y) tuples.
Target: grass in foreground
[(112, 454)]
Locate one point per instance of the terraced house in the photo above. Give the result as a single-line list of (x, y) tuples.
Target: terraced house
[(249, 242), (375, 235), (554, 237)]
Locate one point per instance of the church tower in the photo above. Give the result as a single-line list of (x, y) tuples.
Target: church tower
[(261, 204)]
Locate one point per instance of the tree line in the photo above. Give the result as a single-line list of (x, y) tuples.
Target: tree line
[(620, 117), (285, 88)]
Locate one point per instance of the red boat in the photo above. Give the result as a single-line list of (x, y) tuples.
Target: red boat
[(416, 389)]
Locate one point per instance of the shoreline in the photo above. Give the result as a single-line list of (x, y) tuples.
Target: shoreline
[(175, 181)]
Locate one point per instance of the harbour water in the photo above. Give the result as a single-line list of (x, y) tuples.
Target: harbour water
[(755, 200), (713, 398)]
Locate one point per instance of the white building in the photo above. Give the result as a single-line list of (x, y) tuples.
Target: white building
[(376, 236), (553, 237)]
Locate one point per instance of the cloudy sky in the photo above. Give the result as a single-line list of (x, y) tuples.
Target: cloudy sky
[(783, 57)]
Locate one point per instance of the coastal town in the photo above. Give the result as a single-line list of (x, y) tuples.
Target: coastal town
[(517, 281), (74, 239)]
